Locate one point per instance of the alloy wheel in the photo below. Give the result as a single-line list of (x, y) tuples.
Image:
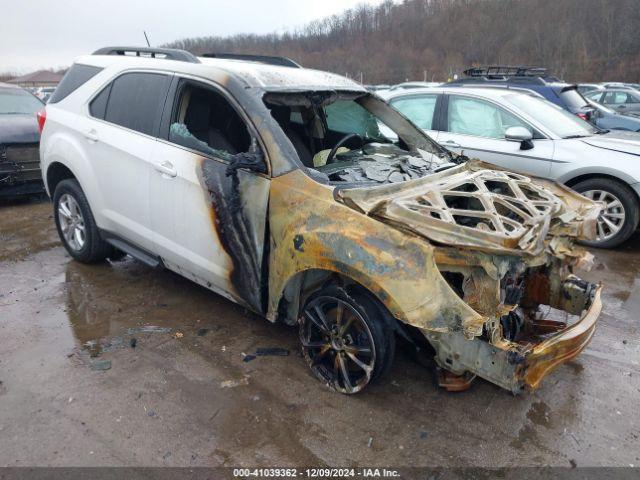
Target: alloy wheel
[(337, 343), (71, 222), (612, 217)]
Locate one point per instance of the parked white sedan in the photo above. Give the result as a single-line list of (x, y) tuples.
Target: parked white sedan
[(524, 132)]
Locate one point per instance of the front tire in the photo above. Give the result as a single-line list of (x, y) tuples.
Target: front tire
[(346, 339), (620, 217), (75, 224)]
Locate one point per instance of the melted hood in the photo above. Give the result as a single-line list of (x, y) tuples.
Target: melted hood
[(480, 206)]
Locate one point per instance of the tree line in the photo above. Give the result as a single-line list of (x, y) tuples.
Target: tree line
[(578, 40)]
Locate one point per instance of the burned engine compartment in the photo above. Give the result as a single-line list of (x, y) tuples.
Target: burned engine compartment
[(382, 163)]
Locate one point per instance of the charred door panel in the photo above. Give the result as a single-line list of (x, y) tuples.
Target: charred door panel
[(206, 228)]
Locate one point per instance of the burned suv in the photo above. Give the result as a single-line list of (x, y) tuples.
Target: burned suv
[(301, 196)]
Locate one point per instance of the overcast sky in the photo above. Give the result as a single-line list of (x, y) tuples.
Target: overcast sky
[(51, 33)]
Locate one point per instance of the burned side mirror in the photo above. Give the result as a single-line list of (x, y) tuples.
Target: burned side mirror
[(252, 160)]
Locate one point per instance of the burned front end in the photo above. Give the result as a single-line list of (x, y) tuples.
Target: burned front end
[(504, 246), (478, 260)]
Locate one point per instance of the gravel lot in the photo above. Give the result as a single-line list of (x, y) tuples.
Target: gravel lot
[(187, 398)]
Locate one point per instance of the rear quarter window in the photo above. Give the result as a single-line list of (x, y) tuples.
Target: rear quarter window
[(77, 75)]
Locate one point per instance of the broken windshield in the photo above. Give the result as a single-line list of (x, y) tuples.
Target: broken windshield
[(354, 137)]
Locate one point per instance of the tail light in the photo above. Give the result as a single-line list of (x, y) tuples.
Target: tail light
[(42, 117)]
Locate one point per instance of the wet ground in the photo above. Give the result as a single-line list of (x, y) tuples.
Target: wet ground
[(187, 398)]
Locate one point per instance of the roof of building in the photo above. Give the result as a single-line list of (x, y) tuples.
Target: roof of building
[(41, 76)]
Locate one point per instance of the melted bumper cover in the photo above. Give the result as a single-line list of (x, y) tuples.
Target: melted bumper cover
[(562, 347)]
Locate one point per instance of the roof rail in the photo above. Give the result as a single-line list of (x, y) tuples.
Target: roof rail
[(268, 59), (496, 71), (164, 53)]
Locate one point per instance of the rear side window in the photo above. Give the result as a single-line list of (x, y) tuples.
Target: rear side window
[(77, 75), (135, 101)]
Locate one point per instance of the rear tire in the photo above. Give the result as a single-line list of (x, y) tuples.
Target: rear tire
[(75, 224), (620, 218), (346, 339)]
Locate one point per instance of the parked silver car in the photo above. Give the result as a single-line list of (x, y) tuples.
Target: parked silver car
[(623, 100), (523, 132)]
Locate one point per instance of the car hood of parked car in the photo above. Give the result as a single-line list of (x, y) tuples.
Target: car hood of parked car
[(18, 128), (480, 206), (617, 141)]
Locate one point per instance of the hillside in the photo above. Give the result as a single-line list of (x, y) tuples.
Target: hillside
[(580, 40)]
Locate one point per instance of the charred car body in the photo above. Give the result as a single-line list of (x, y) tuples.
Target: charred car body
[(275, 187)]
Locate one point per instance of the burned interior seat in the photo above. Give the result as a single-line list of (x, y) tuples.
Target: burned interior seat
[(198, 121), (283, 117)]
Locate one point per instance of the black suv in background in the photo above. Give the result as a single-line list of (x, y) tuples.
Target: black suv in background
[(537, 79)]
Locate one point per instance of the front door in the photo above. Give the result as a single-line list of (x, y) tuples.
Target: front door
[(476, 128), (209, 226)]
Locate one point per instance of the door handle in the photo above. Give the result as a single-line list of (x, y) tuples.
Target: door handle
[(451, 144), (166, 168), (91, 135)]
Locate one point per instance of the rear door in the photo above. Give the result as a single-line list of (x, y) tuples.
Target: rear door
[(420, 108), (476, 127), (206, 226), (119, 139)]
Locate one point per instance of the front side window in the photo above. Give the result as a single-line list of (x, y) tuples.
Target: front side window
[(417, 108), (471, 116), (15, 101), (133, 100), (205, 121)]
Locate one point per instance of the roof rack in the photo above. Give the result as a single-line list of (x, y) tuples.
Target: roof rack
[(498, 71), (268, 59), (164, 53)]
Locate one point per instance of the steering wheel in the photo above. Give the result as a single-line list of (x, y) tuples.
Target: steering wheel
[(342, 141)]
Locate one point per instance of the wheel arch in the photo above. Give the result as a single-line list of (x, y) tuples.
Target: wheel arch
[(304, 282), (57, 172), (571, 182)]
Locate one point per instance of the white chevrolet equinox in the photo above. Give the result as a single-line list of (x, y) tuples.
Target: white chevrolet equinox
[(275, 186)]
